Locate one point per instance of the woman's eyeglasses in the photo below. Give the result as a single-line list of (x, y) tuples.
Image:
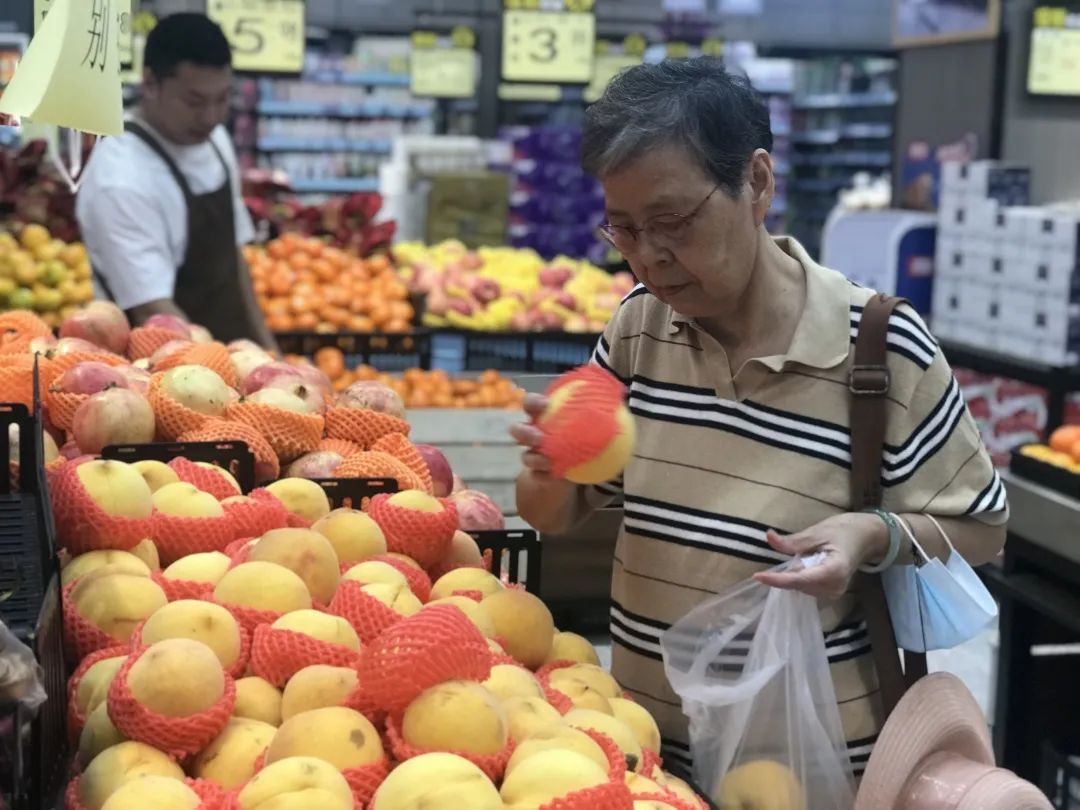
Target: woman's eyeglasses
[(663, 230)]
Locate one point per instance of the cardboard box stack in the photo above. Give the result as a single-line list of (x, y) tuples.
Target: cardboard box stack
[(1008, 274)]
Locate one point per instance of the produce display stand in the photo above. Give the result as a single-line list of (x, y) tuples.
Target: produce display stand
[(32, 749), (233, 456), (450, 349)]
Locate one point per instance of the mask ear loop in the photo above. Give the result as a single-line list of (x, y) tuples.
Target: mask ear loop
[(72, 171), (921, 558), (941, 531)]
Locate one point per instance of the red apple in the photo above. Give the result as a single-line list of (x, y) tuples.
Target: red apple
[(442, 476), (372, 396), (555, 276), (90, 377), (170, 323), (116, 416), (477, 512), (101, 323)]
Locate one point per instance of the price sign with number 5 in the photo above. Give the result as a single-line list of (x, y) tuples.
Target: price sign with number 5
[(267, 36), (543, 46)]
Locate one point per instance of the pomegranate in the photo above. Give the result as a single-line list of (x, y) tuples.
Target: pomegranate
[(247, 361), (198, 388), (70, 345), (200, 334), (138, 379), (459, 485), (44, 345), (70, 450), (168, 348), (262, 375), (441, 475), (244, 345), (476, 511), (116, 416), (372, 396), (102, 323), (313, 399), (313, 378), (90, 377), (282, 398), (320, 464), (170, 323)]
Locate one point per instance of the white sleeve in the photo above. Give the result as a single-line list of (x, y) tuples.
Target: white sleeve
[(245, 229), (124, 233)]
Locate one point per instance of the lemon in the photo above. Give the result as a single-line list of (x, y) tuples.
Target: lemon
[(67, 311), (69, 290), (26, 269), (83, 272), (86, 292), (34, 236), (22, 298), (8, 243), (7, 287), (53, 272), (48, 251), (73, 255)]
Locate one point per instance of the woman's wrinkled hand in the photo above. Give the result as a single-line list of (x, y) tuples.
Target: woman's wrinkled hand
[(847, 541), (530, 437)]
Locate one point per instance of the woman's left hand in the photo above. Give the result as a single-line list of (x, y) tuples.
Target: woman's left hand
[(847, 541)]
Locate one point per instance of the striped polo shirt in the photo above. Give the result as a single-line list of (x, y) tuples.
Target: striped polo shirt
[(720, 459)]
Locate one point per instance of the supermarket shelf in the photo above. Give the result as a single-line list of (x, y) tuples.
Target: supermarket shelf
[(370, 109), (836, 101), (279, 143), (334, 185), (846, 159), (360, 79), (820, 185), (827, 137)]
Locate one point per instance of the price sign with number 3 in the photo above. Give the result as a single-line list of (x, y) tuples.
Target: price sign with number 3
[(541, 46), (267, 36)]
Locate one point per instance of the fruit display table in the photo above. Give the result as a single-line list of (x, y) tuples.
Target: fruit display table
[(1036, 585)]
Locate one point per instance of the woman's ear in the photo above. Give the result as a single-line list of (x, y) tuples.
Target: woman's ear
[(762, 184)]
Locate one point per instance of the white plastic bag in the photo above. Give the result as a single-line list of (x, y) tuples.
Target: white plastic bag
[(751, 668)]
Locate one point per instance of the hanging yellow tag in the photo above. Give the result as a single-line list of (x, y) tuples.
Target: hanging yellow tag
[(541, 46), (443, 72), (70, 74), (267, 36)]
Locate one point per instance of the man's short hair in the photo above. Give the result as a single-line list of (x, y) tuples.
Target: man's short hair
[(186, 37)]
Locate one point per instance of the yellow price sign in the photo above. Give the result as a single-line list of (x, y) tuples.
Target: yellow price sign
[(1051, 17), (424, 39), (267, 36), (713, 46), (607, 67), (463, 37), (678, 50), (543, 46), (635, 45), (443, 72), (70, 73)]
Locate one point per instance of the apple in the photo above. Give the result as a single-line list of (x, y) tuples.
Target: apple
[(200, 334), (373, 396), (555, 276), (485, 290), (115, 416), (102, 323), (170, 323), (90, 377), (442, 476), (320, 464), (286, 400), (476, 511)]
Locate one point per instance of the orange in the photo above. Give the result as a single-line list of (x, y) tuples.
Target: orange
[(396, 326), (401, 311), (306, 321), (277, 249), (1064, 439), (324, 270), (279, 323), (360, 323), (330, 361)]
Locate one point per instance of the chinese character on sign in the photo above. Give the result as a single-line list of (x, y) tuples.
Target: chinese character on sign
[(97, 50)]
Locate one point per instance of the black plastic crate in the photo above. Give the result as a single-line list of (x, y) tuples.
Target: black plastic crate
[(537, 352), (234, 456), (1060, 779), (27, 552), (33, 749), (386, 352), (515, 555), (354, 493), (1048, 475)]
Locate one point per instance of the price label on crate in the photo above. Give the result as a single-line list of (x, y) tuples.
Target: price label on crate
[(267, 36), (442, 72), (541, 46)]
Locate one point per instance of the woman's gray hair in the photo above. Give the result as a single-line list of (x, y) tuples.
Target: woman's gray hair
[(696, 104)]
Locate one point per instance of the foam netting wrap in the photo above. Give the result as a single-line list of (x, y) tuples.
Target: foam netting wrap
[(211, 794), (343, 447), (290, 434), (204, 478), (76, 719), (494, 765), (17, 328), (278, 654), (359, 701), (176, 537), (232, 801), (177, 589), (373, 464), (399, 446), (419, 581), (145, 340), (173, 419), (61, 404), (486, 564), (424, 536), (236, 669), (436, 645), (249, 617), (178, 737), (80, 637), (267, 467), (368, 616), (613, 795), (364, 427), (256, 519), (239, 551), (213, 356), (82, 525), (584, 426), (17, 379)]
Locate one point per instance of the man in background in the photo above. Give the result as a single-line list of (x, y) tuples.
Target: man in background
[(160, 207)]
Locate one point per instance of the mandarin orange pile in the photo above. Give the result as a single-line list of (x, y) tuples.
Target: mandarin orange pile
[(426, 389), (305, 285)]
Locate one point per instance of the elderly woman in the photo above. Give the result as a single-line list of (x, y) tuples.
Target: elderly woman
[(736, 349)]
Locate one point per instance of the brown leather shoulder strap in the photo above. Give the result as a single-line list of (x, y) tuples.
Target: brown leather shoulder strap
[(869, 383)]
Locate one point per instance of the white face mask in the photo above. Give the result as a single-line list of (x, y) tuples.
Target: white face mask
[(936, 605)]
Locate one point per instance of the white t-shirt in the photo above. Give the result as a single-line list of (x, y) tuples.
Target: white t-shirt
[(133, 216)]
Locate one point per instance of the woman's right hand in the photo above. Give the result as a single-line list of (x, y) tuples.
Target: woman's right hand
[(530, 437)]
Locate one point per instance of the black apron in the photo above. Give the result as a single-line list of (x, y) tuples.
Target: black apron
[(207, 286)]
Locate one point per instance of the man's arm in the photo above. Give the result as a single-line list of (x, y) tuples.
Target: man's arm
[(162, 306), (256, 321)]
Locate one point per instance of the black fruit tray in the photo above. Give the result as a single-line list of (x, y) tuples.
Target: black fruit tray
[(233, 456), (354, 493), (515, 555), (1048, 475)]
